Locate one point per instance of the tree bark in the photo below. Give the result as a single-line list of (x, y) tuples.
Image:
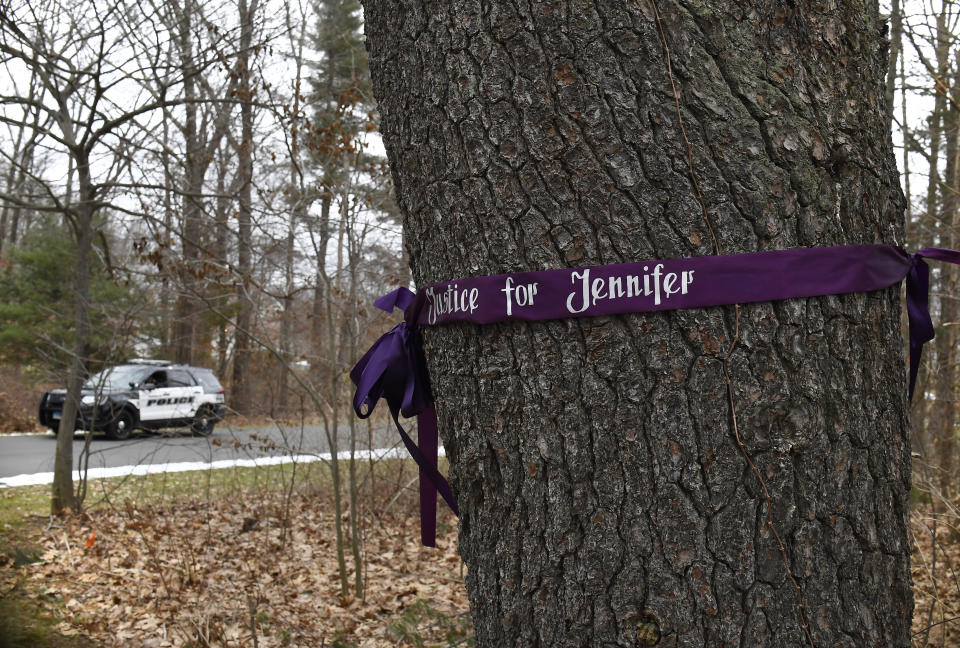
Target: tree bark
[(603, 494), (930, 431), (241, 358), (195, 167), (62, 495)]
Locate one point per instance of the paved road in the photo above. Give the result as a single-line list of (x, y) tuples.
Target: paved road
[(21, 455)]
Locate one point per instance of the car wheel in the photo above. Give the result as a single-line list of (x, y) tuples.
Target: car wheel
[(203, 421), (122, 426)]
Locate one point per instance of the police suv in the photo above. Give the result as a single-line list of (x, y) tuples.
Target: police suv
[(142, 394)]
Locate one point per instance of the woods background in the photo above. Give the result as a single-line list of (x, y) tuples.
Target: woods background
[(215, 164), (203, 182)]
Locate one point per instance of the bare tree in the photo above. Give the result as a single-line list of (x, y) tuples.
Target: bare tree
[(246, 91), (298, 195), (25, 131), (91, 100), (200, 45)]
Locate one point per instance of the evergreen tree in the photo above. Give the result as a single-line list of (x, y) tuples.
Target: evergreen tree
[(37, 300), (341, 86)]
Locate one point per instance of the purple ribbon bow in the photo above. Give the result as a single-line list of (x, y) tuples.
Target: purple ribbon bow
[(394, 367), (918, 312)]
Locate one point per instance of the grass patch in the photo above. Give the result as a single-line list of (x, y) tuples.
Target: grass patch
[(409, 628), (203, 484), (24, 623), (22, 503), (17, 504)]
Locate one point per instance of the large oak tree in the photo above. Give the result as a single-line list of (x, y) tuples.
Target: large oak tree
[(730, 476)]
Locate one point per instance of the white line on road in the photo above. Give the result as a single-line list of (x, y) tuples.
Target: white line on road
[(149, 469)]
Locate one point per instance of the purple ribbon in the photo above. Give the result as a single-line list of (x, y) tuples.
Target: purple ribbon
[(394, 367), (918, 313)]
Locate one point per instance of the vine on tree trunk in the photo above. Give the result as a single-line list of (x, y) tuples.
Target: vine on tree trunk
[(736, 336)]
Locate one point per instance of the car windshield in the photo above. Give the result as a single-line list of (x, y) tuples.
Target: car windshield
[(115, 378)]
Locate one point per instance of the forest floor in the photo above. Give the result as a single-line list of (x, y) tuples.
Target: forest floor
[(936, 574), (192, 571), (257, 567)]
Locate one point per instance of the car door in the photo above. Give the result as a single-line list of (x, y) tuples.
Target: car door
[(186, 393), (156, 399)]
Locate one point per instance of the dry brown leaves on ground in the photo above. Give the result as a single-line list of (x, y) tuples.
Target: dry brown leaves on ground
[(222, 572), (936, 581), (219, 573)]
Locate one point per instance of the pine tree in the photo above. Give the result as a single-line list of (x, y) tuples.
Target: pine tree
[(343, 113)]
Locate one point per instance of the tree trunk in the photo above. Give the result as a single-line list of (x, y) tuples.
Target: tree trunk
[(298, 208), (286, 355), (333, 305), (220, 253), (21, 167), (7, 207), (241, 358), (168, 219), (297, 199), (320, 293), (355, 240), (945, 385), (201, 139), (13, 184), (195, 167), (604, 496), (63, 497), (931, 432)]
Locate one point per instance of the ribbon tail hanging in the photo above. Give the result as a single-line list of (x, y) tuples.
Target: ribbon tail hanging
[(428, 444), (918, 314), (431, 481), (915, 352)]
